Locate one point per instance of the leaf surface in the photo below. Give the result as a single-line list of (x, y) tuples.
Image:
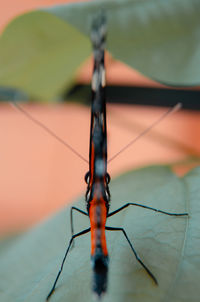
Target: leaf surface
[(40, 51), (40, 54), (159, 38), (169, 246)]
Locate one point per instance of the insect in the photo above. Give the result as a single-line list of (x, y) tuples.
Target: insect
[(97, 178)]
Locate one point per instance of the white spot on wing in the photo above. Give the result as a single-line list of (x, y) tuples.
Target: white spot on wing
[(99, 167), (95, 80), (103, 77)]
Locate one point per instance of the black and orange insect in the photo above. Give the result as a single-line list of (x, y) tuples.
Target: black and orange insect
[(97, 178)]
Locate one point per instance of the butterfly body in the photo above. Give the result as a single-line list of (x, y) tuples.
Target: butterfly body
[(97, 194)]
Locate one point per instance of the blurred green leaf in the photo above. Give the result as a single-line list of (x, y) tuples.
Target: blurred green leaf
[(159, 38), (7, 241), (40, 51), (169, 246)]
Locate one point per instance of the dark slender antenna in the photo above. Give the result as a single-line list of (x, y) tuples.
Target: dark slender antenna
[(41, 125), (169, 112)]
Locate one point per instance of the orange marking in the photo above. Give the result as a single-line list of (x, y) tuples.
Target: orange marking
[(98, 231)]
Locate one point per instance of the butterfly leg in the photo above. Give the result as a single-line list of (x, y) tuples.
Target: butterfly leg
[(145, 207), (72, 221), (134, 251), (61, 268)]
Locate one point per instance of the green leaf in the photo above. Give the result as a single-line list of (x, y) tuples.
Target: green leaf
[(7, 241), (169, 246), (40, 51), (159, 38)]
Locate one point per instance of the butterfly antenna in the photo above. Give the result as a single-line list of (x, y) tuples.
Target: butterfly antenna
[(45, 128), (166, 114)]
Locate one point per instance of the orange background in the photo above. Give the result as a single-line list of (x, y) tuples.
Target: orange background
[(38, 175)]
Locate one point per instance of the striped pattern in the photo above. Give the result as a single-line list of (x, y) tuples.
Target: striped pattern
[(97, 195)]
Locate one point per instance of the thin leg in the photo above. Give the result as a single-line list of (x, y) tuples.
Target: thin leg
[(61, 268), (71, 220), (146, 207), (71, 217), (134, 251)]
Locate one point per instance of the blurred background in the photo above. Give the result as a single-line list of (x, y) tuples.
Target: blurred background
[(38, 175)]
